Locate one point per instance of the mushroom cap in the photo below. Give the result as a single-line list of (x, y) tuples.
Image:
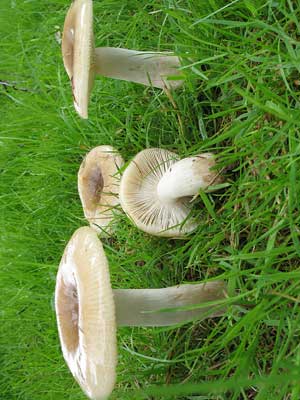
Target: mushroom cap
[(98, 186), (78, 52), (139, 200), (85, 312)]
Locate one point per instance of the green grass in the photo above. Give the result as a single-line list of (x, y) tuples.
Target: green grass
[(241, 101)]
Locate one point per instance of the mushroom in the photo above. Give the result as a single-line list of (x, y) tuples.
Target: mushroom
[(156, 187), (98, 186), (82, 61), (88, 311)]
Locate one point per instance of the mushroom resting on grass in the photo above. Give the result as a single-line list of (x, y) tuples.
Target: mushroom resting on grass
[(88, 311), (156, 188), (98, 186), (82, 61)]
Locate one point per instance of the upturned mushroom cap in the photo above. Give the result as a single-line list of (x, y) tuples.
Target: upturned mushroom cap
[(85, 313), (98, 186), (138, 196), (78, 52)]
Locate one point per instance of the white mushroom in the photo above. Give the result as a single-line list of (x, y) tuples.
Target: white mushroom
[(88, 311), (82, 61), (78, 52), (156, 188), (98, 186), (85, 312)]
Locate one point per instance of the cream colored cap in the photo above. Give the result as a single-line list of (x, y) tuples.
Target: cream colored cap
[(139, 200), (98, 186), (85, 312), (78, 52)]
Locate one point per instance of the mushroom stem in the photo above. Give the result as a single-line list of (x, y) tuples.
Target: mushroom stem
[(186, 177), (138, 66), (142, 307)]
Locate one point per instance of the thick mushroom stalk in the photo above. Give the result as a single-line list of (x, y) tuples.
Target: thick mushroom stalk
[(148, 307), (82, 61), (186, 177), (88, 311), (147, 68)]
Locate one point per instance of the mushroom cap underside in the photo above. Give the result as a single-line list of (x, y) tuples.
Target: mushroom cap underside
[(138, 196), (98, 185), (85, 312), (78, 52)]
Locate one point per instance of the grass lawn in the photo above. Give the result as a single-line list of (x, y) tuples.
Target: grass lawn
[(240, 100)]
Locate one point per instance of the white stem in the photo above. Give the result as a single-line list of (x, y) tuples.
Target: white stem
[(141, 307), (186, 177), (148, 68)]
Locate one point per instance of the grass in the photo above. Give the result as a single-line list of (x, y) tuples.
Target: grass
[(241, 61)]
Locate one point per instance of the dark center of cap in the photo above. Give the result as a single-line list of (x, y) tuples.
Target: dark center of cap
[(68, 314)]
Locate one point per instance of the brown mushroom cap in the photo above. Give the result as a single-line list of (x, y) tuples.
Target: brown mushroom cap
[(98, 186), (85, 313), (138, 196), (78, 52)]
